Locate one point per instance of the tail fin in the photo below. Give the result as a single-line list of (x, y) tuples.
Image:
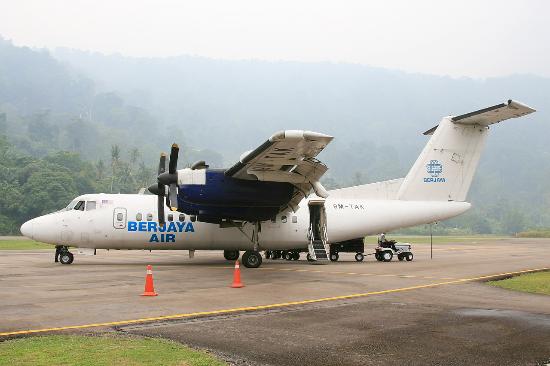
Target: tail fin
[(445, 168)]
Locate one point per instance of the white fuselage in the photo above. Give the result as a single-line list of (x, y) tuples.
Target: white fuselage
[(114, 224)]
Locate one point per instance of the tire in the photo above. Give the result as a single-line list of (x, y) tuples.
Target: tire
[(252, 259), (334, 257), (387, 256), (231, 255), (400, 257), (296, 256), (409, 257), (289, 256), (359, 257), (66, 258), (377, 256)]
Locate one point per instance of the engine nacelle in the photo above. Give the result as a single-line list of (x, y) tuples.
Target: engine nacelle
[(218, 197)]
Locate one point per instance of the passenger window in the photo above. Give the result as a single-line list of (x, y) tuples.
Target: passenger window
[(79, 206), (149, 217), (182, 217), (294, 219), (283, 219), (90, 205), (119, 216), (139, 217), (170, 217)]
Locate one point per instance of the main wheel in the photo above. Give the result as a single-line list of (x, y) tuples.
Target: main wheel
[(359, 257), (409, 257), (400, 257), (251, 259), (66, 258), (334, 257), (387, 256), (231, 255)]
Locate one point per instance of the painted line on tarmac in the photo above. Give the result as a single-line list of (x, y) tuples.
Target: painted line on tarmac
[(266, 307)]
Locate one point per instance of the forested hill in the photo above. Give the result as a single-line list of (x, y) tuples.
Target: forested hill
[(117, 113)]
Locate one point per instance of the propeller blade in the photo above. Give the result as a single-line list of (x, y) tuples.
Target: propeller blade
[(160, 203), (173, 163), (173, 193), (162, 164)]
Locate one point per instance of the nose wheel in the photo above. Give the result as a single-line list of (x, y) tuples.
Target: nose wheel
[(62, 255)]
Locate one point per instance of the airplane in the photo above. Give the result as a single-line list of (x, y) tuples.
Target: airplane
[(271, 199)]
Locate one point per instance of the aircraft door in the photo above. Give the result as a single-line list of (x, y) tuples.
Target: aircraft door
[(119, 218), (317, 221)]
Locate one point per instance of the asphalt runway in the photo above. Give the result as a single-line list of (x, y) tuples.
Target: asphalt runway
[(425, 312)]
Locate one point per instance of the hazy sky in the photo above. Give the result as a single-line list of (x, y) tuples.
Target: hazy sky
[(459, 38)]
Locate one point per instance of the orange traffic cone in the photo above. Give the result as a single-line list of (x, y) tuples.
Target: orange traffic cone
[(237, 276), (149, 288)]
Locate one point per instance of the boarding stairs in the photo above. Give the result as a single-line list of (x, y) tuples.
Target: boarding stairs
[(317, 233)]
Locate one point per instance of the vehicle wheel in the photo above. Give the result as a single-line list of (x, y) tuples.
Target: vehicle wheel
[(400, 257), (66, 258), (409, 257), (377, 256), (231, 255), (359, 257), (296, 256), (251, 259), (309, 259), (387, 256), (289, 256), (334, 257)]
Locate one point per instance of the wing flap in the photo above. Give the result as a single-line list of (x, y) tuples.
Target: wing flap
[(287, 156)]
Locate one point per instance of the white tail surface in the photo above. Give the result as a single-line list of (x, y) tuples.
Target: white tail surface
[(445, 168)]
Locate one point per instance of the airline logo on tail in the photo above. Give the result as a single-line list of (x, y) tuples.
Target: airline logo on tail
[(434, 168)]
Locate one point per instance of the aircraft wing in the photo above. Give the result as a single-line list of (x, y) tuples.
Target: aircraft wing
[(287, 156)]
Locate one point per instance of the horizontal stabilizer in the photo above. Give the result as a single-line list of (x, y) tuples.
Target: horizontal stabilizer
[(490, 115)]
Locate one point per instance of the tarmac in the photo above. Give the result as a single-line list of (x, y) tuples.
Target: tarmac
[(426, 312)]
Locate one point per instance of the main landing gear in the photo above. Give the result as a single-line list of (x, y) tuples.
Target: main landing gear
[(62, 255), (252, 259), (231, 255)]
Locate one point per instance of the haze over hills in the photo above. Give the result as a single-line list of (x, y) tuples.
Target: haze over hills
[(376, 115)]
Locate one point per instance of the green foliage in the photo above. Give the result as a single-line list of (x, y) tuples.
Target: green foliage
[(31, 187), (22, 244), (100, 350), (534, 233), (538, 283)]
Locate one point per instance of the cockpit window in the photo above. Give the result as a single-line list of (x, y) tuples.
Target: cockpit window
[(90, 205), (71, 205), (79, 206)]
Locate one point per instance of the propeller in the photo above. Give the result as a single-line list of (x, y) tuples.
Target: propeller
[(167, 178), (161, 190)]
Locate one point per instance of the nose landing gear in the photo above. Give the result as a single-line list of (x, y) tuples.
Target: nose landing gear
[(62, 255)]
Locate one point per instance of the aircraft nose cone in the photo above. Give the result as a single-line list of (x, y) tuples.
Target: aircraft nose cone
[(27, 229)]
